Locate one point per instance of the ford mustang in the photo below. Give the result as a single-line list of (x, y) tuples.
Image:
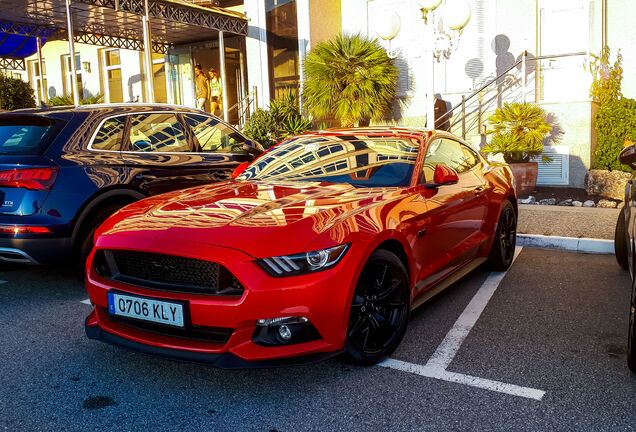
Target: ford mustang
[(321, 246)]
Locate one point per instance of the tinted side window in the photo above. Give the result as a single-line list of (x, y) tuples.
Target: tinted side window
[(447, 152), (110, 135), (213, 136), (157, 133)]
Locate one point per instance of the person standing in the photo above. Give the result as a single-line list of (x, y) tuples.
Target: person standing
[(215, 90), (201, 87)]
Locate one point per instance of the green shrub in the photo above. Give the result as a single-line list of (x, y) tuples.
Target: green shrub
[(518, 131), (15, 94), (282, 120), (261, 126), (67, 99), (615, 121)]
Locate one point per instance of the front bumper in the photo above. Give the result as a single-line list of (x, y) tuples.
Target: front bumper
[(324, 298), (225, 360)]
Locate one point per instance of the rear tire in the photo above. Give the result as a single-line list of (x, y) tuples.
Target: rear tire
[(379, 311), (502, 250), (86, 234), (621, 241)]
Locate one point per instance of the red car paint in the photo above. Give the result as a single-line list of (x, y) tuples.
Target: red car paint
[(439, 230)]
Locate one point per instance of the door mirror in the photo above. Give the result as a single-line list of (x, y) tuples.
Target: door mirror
[(628, 157), (253, 147), (239, 169), (443, 175)]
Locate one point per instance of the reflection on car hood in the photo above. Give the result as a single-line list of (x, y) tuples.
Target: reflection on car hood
[(251, 216)]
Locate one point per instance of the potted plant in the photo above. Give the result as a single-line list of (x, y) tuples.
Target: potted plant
[(518, 131)]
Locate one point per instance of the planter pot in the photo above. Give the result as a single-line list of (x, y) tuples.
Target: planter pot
[(525, 175)]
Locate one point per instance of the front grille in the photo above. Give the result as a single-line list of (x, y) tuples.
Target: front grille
[(167, 272), (201, 333)]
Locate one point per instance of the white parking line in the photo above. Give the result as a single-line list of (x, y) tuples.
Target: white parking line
[(444, 375), (86, 302), (447, 350)]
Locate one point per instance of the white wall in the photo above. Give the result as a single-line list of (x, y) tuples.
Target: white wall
[(256, 50)]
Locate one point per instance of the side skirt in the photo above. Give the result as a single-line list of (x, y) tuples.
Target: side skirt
[(448, 281)]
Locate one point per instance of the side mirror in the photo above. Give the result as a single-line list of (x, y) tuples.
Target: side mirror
[(628, 157), (443, 176), (239, 169), (253, 147)]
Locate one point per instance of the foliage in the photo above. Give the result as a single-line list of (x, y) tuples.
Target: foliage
[(606, 79), (615, 122), (282, 120), (15, 94), (67, 99), (261, 126), (350, 78), (518, 131)]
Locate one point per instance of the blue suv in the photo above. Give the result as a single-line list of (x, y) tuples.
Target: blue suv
[(63, 171)]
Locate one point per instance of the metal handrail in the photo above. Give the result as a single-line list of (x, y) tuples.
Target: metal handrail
[(524, 58), (246, 104)]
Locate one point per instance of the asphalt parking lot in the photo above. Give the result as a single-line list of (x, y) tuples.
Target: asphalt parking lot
[(541, 348)]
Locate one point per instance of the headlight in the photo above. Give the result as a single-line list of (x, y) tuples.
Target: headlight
[(307, 262)]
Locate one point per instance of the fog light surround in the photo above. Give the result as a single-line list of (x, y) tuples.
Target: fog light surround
[(282, 331)]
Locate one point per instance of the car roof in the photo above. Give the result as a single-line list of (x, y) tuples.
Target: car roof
[(106, 108)]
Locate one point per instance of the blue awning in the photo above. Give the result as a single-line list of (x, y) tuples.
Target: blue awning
[(13, 45)]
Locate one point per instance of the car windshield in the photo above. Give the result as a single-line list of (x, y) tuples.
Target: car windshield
[(360, 161), (25, 135)]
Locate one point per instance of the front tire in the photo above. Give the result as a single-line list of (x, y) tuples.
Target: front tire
[(621, 241), (502, 250), (379, 311)]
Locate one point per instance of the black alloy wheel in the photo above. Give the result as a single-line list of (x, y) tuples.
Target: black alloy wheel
[(379, 310), (631, 341), (503, 246)]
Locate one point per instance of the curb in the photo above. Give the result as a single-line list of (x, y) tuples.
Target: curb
[(586, 245)]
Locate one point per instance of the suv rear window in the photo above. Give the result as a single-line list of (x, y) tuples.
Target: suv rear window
[(24, 135)]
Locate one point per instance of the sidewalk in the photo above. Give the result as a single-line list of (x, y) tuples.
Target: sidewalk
[(577, 222)]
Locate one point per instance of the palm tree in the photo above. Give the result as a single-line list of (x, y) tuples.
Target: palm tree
[(350, 78)]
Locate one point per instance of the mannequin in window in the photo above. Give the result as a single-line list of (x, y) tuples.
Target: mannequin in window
[(215, 89), (201, 87)]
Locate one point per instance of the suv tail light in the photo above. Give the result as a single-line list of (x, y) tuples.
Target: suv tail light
[(31, 178)]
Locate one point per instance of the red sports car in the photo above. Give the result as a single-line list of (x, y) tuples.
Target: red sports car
[(323, 245)]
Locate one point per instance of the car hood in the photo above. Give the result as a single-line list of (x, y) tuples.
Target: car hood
[(259, 218)]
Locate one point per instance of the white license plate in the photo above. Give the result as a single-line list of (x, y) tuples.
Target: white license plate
[(146, 309)]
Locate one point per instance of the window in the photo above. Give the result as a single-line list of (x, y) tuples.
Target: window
[(450, 153), (112, 76), (68, 74), (282, 25), (24, 135), (157, 133), (159, 77), (109, 136), (213, 136), (36, 77)]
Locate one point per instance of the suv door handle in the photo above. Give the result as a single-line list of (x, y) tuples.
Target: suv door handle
[(146, 177)]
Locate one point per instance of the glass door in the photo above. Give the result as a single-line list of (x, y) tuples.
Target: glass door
[(67, 73), (114, 86)]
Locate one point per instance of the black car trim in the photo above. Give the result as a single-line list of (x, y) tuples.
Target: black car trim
[(224, 360)]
